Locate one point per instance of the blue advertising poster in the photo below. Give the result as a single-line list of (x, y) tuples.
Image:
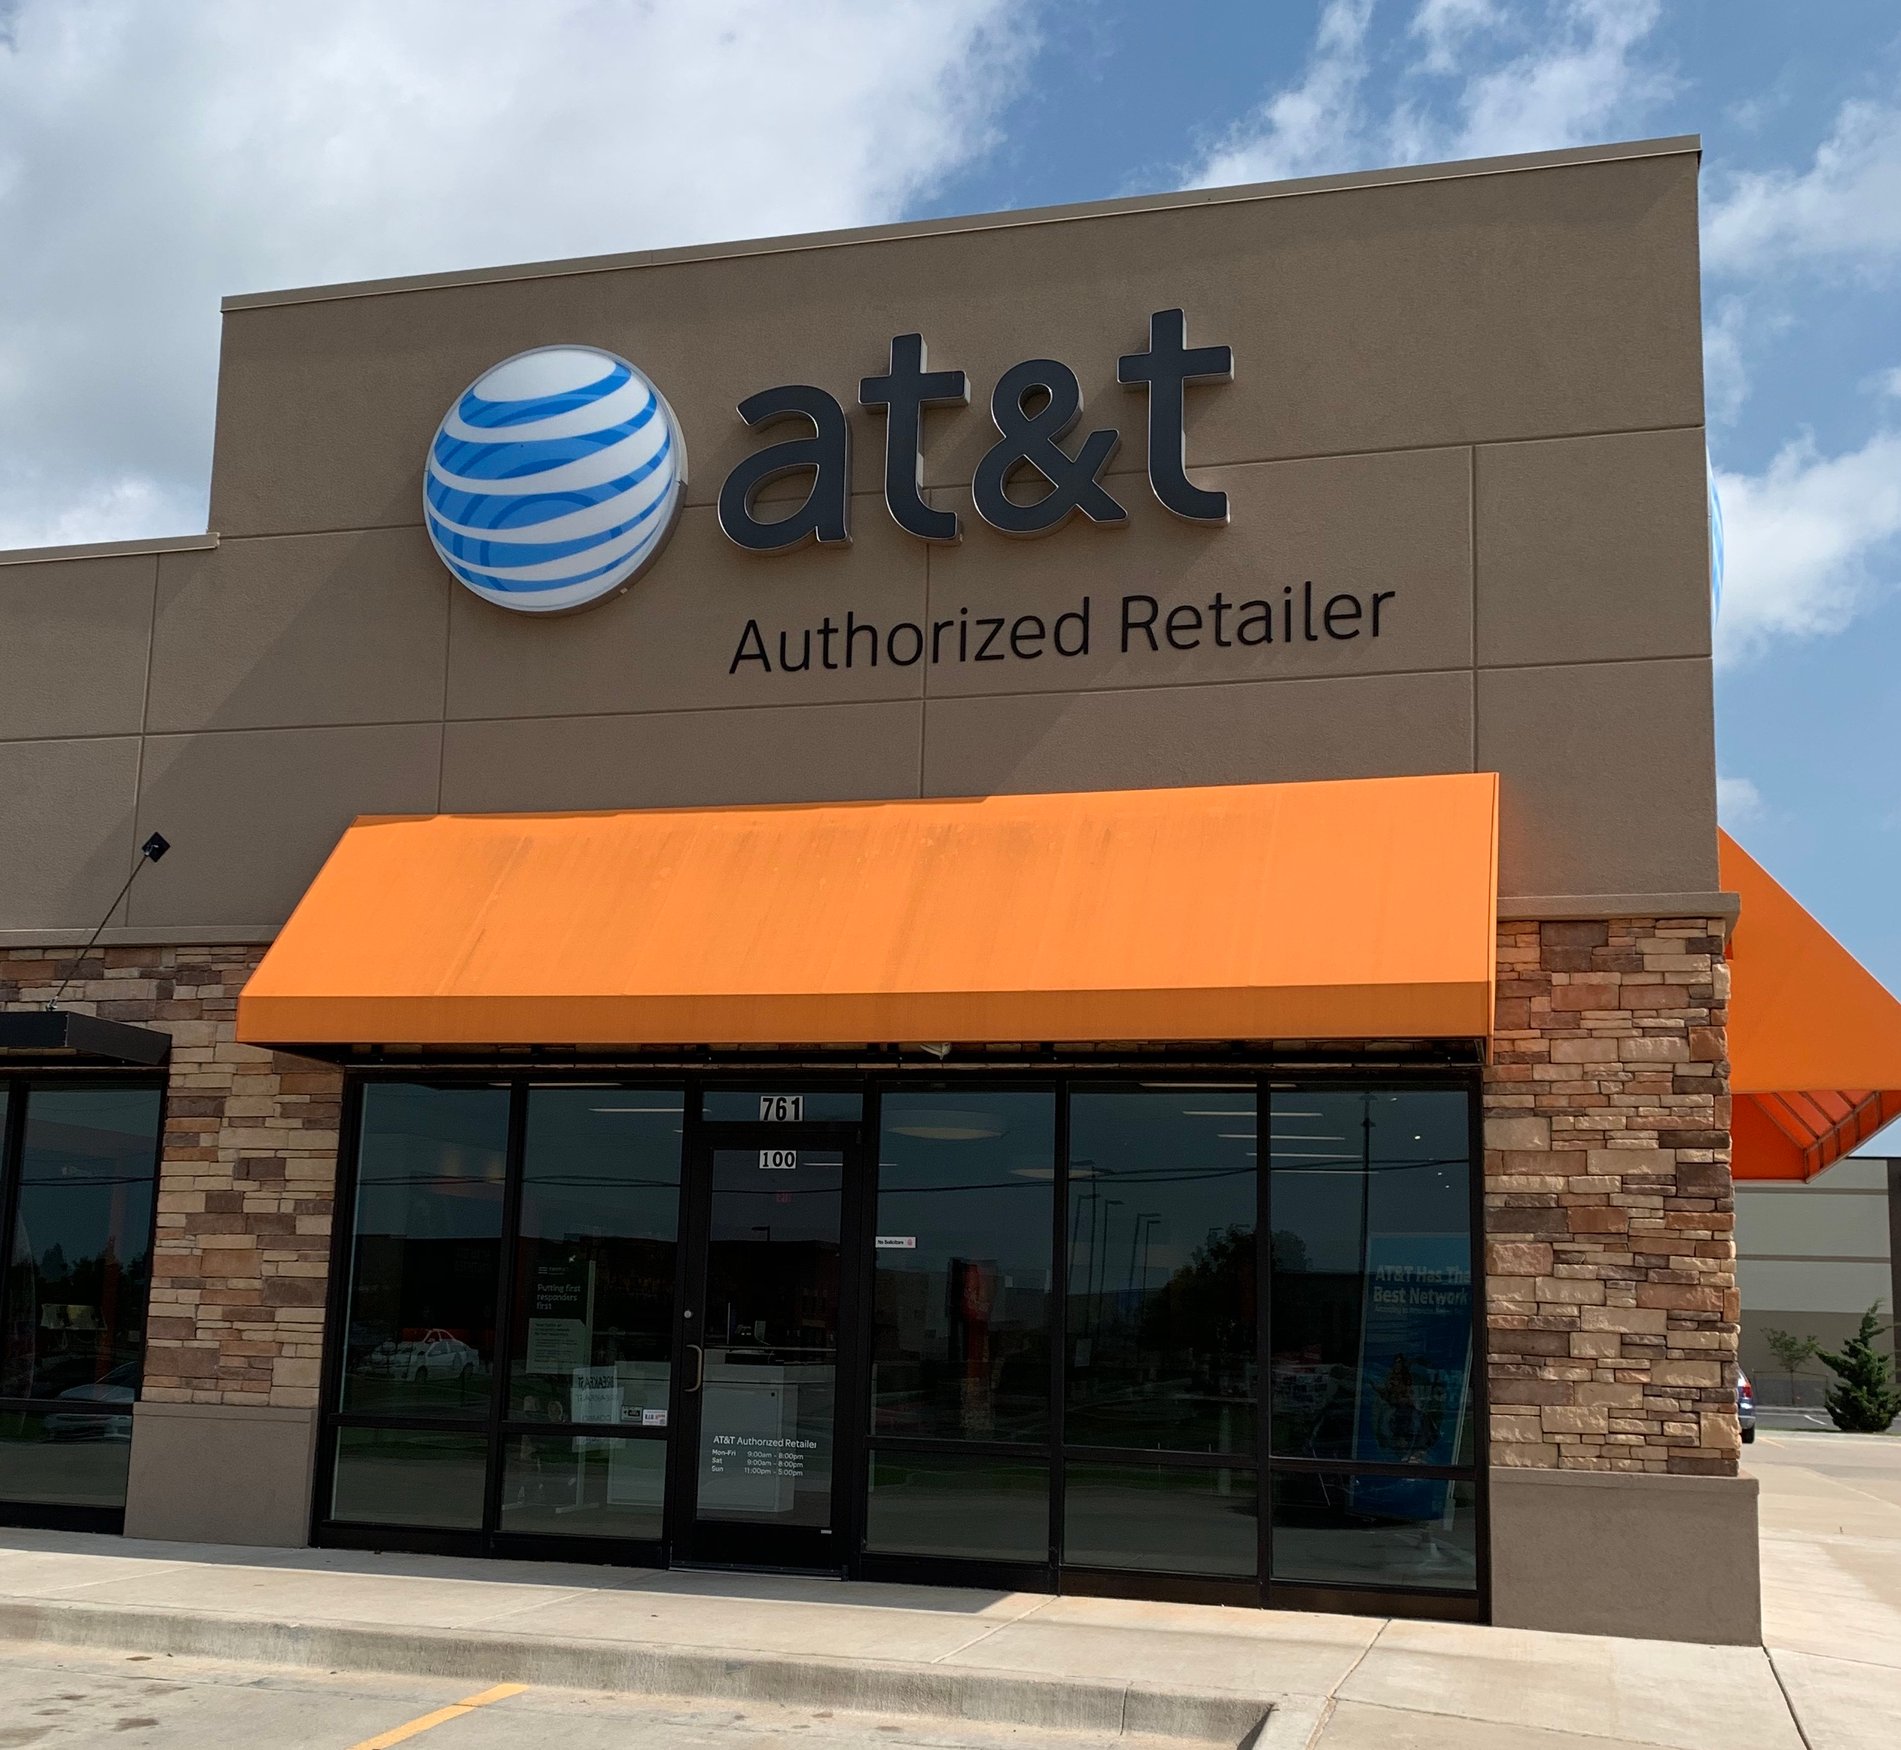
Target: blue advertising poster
[(1415, 1338)]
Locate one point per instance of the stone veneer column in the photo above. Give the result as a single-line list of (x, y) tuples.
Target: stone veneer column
[(223, 1433), (1611, 1302)]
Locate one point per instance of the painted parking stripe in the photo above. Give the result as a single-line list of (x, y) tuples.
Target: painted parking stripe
[(441, 1717)]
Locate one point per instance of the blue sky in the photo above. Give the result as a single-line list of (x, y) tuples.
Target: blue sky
[(1130, 96), (156, 155)]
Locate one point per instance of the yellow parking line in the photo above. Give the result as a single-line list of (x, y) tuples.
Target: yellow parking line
[(441, 1717)]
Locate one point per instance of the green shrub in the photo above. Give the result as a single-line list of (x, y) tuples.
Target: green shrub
[(1866, 1401)]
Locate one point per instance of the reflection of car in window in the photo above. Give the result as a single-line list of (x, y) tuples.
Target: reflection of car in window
[(436, 1354), (120, 1386)]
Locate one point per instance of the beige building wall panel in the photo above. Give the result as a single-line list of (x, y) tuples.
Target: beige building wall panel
[(1384, 540), (1608, 776), (1362, 318), (253, 813), (670, 642), (674, 759), (1802, 1221), (302, 630), (1251, 733), (1591, 549), (1841, 1285), (74, 636), (68, 812)]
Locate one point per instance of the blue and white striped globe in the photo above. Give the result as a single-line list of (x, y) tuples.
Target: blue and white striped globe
[(554, 479)]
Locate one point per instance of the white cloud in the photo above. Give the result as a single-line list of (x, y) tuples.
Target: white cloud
[(1844, 208), (1889, 382), (1579, 85), (1738, 801), (1799, 540), (1308, 128), (1530, 79), (1444, 25), (155, 157), (1725, 376)]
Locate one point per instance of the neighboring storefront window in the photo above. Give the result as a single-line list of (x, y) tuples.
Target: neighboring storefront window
[(78, 1173)]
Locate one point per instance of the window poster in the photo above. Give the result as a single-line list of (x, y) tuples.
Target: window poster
[(560, 1315), (1415, 1344), (594, 1397)]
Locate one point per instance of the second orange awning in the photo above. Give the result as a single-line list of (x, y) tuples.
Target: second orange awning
[(1814, 1038), (1361, 909)]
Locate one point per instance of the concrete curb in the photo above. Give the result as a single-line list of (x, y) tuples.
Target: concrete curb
[(950, 1692)]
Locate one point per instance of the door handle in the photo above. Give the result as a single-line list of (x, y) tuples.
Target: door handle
[(699, 1368)]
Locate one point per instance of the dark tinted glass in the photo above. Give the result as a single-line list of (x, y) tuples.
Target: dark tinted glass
[(1372, 1276), (1337, 1529), (388, 1476), (962, 1254), (970, 1509), (783, 1105), (65, 1457), (428, 1234), (1173, 1521), (81, 1259), (583, 1486), (767, 1410), (1162, 1187), (600, 1218)]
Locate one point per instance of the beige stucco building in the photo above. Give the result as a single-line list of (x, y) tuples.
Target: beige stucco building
[(500, 1143)]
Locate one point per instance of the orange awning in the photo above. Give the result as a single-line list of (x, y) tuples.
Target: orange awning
[(1814, 1039), (1316, 911)]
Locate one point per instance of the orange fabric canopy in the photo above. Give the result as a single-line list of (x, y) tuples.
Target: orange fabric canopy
[(1360, 909), (1814, 1039)]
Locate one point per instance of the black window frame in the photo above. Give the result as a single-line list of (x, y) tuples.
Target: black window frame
[(18, 1083), (856, 1441)]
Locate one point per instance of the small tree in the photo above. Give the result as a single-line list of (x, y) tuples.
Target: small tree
[(1866, 1401), (1790, 1352)]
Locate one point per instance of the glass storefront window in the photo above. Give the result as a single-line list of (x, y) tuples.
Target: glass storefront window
[(1334, 1528), (81, 1254), (583, 1485), (428, 1231), (762, 1255), (65, 1458), (1162, 1519), (1162, 1334), (962, 1259), (594, 1267), (399, 1476), (1372, 1275), (949, 1504)]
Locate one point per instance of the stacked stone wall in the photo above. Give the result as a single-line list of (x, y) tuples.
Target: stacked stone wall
[(1611, 1303), (242, 1250)]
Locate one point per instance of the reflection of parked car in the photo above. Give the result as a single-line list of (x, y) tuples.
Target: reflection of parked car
[(1745, 1406), (436, 1354), (120, 1386)]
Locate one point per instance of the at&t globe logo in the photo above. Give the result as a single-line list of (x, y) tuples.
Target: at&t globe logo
[(554, 480)]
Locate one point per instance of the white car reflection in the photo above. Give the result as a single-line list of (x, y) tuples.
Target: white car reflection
[(120, 1386), (436, 1354)]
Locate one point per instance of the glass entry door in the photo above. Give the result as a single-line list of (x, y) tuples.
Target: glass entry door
[(759, 1470)]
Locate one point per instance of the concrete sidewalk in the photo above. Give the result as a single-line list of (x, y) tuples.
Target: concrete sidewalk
[(1832, 1522)]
